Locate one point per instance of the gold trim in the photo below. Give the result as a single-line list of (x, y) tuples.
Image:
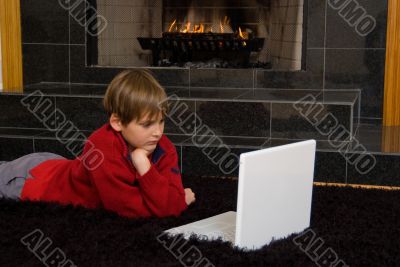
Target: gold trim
[(11, 45), (358, 186), (391, 107)]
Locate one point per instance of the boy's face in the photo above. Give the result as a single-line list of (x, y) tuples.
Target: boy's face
[(144, 133)]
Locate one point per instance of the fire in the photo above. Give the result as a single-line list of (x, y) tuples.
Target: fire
[(226, 24), (172, 26), (243, 35), (188, 27), (198, 28)]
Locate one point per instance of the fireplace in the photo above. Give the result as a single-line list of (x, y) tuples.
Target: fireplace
[(264, 34)]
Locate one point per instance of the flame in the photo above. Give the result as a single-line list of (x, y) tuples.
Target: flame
[(224, 27), (243, 35), (172, 25), (198, 28), (186, 28), (225, 24)]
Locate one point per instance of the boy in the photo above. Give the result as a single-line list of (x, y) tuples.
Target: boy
[(127, 166)]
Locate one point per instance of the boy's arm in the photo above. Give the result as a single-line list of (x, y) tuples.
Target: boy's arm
[(115, 189), (162, 187)]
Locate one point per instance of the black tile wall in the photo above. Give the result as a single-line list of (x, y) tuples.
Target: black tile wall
[(235, 118), (44, 21), (287, 122), (69, 149), (45, 63), (222, 78), (32, 112), (13, 148), (82, 74), (213, 161), (181, 118), (358, 68), (72, 108), (316, 23), (311, 78), (340, 35)]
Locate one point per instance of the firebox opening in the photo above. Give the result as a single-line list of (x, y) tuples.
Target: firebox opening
[(264, 34)]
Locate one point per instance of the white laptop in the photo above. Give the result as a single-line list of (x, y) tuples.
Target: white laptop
[(274, 198)]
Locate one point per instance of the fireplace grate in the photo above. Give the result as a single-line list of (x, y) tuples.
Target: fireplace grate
[(185, 47)]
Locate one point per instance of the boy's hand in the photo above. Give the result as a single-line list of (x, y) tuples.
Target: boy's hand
[(140, 160), (189, 196)]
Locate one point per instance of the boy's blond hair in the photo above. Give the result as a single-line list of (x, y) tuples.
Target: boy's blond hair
[(133, 94)]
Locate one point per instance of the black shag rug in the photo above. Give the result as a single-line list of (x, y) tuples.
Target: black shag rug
[(355, 227)]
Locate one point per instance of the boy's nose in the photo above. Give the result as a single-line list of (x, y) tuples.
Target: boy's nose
[(158, 131)]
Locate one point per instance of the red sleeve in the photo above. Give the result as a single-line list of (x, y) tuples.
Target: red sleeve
[(114, 184), (162, 187)]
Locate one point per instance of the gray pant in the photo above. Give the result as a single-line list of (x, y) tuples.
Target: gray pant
[(14, 173)]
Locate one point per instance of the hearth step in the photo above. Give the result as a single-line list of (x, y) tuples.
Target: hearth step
[(228, 113)]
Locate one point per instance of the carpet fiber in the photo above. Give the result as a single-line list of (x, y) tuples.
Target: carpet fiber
[(357, 227)]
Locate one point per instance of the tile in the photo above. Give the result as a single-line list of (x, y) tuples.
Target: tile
[(373, 169), (282, 95), (342, 35), (13, 148), (330, 167), (174, 92), (358, 68), (316, 23), (67, 89), (70, 149), (179, 139), (85, 113), (233, 118), (77, 22), (311, 78), (77, 32), (341, 96), (64, 134), (211, 161), (48, 88), (47, 24), (377, 139), (287, 121), (322, 146), (80, 73), (20, 132), (181, 117), (171, 76), (230, 78), (47, 63), (88, 89), (27, 112), (232, 142), (218, 93)]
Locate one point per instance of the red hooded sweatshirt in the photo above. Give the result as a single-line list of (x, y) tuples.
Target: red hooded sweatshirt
[(103, 176)]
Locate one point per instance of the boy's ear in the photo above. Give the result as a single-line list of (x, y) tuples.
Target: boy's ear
[(115, 122)]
